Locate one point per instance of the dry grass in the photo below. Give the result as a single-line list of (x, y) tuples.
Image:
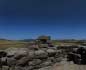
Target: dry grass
[(6, 44)]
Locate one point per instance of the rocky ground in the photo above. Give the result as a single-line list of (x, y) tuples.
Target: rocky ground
[(29, 58), (32, 58), (63, 65)]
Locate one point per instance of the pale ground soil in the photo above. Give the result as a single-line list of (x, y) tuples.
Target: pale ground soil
[(64, 65)]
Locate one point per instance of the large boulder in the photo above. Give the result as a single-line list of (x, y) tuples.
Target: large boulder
[(52, 59), (31, 54), (51, 52), (59, 59), (11, 51), (23, 61), (3, 61), (46, 63), (41, 54), (11, 61), (16, 51), (58, 53), (34, 62), (21, 53)]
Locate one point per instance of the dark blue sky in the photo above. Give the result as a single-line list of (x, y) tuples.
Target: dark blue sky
[(61, 19)]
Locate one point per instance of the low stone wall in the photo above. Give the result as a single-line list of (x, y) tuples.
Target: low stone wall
[(30, 59)]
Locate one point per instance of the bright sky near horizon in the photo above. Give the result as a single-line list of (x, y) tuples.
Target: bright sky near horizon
[(61, 19)]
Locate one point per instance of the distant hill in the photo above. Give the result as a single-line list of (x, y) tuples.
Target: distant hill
[(26, 40)]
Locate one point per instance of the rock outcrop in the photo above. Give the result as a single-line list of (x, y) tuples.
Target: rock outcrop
[(30, 59)]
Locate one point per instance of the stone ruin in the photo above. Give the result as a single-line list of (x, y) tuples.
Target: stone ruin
[(30, 58)]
